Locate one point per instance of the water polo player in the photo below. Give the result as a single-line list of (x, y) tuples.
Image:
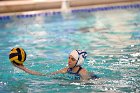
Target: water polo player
[(75, 61)]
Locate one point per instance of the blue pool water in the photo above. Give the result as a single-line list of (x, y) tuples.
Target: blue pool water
[(111, 38)]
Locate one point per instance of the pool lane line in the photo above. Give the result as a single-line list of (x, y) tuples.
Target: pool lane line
[(106, 8)]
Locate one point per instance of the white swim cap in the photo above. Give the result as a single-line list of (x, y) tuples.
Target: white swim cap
[(79, 55)]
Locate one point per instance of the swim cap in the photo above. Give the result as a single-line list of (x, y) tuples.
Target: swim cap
[(79, 55)]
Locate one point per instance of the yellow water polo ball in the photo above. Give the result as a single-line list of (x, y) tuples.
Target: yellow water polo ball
[(17, 55)]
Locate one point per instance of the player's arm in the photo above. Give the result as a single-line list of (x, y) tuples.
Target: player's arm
[(62, 71), (84, 75), (28, 71)]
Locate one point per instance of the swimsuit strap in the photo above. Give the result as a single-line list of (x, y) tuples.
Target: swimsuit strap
[(79, 69), (70, 70)]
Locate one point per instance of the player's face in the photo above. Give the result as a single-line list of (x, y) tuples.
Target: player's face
[(71, 61)]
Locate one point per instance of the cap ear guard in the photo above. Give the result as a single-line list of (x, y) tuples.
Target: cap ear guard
[(82, 55)]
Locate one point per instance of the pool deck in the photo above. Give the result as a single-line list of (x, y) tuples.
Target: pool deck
[(21, 6)]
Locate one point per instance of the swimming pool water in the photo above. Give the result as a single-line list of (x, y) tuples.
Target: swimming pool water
[(111, 38)]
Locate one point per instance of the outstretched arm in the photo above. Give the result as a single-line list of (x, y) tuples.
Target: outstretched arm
[(28, 71), (62, 71)]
